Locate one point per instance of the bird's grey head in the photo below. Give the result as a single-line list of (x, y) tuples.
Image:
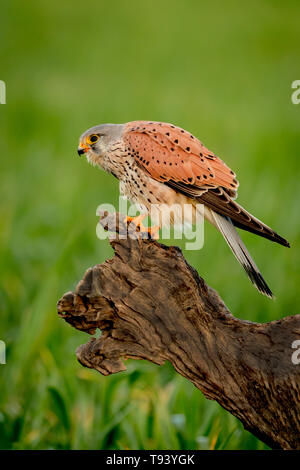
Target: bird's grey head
[(97, 141)]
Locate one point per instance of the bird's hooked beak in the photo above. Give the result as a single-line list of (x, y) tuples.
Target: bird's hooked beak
[(82, 149)]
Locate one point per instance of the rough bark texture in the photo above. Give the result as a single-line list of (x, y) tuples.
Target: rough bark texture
[(151, 304)]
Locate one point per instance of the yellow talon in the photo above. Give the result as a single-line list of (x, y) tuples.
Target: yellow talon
[(153, 232), (137, 220)]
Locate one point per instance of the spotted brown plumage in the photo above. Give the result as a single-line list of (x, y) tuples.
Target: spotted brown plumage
[(177, 158), (161, 164), (168, 152)]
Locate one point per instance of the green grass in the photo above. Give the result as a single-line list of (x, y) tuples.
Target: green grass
[(224, 72)]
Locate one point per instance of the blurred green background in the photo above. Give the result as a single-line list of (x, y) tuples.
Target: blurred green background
[(222, 70)]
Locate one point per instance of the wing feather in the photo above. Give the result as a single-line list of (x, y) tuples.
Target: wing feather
[(219, 201), (169, 152), (175, 157)]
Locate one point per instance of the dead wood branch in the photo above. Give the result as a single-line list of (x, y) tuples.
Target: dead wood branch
[(151, 304)]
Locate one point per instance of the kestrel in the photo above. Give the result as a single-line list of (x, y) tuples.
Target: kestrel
[(162, 164)]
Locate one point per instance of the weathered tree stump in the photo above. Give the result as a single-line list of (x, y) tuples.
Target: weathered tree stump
[(151, 304)]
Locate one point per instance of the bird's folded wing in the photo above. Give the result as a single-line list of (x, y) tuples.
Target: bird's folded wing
[(220, 202), (167, 152), (175, 157)]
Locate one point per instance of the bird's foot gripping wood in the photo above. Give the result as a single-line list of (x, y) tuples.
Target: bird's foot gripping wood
[(146, 232)]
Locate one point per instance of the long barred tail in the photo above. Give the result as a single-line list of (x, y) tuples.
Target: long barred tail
[(219, 201), (226, 227)]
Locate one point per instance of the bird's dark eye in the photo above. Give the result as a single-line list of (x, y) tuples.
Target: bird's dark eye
[(92, 139)]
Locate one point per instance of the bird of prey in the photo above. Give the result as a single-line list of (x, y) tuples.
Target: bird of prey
[(162, 164)]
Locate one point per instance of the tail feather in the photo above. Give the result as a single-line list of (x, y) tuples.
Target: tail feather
[(226, 227), (220, 201)]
